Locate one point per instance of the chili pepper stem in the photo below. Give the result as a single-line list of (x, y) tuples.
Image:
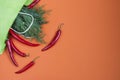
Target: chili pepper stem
[(60, 26), (36, 58), (28, 55)]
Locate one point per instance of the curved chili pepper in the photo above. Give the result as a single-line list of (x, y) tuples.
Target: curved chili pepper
[(16, 49), (33, 4), (11, 52), (16, 36), (29, 65), (54, 40)]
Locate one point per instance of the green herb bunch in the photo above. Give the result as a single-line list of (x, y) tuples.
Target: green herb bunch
[(22, 22)]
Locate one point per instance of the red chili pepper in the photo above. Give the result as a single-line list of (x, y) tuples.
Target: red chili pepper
[(54, 40), (16, 49), (11, 52), (16, 36), (33, 4), (29, 65)]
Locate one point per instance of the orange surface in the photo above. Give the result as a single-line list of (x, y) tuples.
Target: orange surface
[(89, 48)]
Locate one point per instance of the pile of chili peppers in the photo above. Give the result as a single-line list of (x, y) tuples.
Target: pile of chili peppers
[(11, 46)]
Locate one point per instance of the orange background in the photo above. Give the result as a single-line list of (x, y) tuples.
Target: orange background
[(89, 48)]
